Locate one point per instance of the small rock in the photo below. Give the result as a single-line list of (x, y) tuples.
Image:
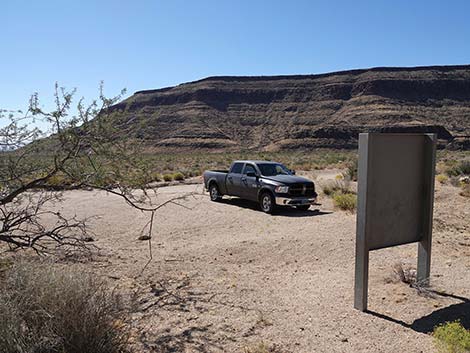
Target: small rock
[(144, 237)]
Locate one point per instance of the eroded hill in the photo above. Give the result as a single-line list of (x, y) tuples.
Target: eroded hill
[(285, 112)]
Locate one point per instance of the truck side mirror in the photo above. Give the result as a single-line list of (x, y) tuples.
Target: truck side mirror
[(251, 174), (293, 172)]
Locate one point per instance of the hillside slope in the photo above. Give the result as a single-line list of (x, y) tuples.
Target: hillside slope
[(304, 111)]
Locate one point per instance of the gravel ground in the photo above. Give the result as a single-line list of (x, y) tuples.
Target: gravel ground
[(225, 276)]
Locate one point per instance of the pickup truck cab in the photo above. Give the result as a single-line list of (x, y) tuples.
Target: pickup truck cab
[(269, 183)]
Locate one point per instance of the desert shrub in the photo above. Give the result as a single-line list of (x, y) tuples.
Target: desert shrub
[(465, 190), (339, 186), (49, 310), (156, 177), (59, 181), (454, 181), (461, 168), (328, 189), (178, 176), (197, 172), (168, 177), (452, 337), (442, 178), (346, 202), (465, 167), (405, 274), (351, 171)]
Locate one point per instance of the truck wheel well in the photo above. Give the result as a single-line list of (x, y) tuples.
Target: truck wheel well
[(264, 191), (214, 182)]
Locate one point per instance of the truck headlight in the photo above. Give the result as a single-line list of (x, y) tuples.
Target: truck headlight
[(282, 189)]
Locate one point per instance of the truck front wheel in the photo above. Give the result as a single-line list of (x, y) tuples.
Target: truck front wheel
[(214, 192), (267, 202)]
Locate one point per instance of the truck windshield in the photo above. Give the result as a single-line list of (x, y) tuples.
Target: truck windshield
[(271, 169)]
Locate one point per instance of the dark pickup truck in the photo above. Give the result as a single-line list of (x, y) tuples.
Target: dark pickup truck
[(268, 183)]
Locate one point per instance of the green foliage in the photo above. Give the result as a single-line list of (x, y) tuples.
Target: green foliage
[(452, 337), (194, 163), (167, 177), (46, 309), (156, 177), (459, 168), (345, 202), (178, 176), (59, 181), (343, 196)]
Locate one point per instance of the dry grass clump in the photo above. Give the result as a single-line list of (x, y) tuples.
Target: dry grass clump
[(343, 196), (48, 310), (351, 171), (408, 275), (345, 202), (451, 337), (405, 274), (454, 181), (338, 186), (465, 190), (442, 178)]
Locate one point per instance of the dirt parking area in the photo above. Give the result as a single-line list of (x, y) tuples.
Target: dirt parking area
[(225, 276)]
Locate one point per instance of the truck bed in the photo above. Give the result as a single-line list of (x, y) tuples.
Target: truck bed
[(218, 176)]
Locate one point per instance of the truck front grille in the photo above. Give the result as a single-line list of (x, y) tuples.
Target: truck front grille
[(307, 190)]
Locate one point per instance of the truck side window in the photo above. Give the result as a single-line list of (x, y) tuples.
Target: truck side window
[(249, 169), (237, 168)]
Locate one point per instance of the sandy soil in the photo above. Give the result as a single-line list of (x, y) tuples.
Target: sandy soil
[(225, 275)]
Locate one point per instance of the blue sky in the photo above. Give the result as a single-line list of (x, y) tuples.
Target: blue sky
[(150, 44)]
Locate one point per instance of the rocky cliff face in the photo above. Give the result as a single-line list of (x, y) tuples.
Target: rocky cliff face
[(286, 112)]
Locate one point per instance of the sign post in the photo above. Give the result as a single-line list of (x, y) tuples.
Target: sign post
[(395, 200)]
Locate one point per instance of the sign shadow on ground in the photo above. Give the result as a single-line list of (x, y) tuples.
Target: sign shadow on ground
[(427, 323)]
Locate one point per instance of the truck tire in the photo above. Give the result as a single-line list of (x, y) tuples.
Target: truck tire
[(214, 192), (303, 207), (266, 202)]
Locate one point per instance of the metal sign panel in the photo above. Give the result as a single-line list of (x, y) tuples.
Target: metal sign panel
[(395, 199)]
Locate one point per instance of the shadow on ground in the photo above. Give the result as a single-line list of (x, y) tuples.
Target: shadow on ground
[(426, 324), (279, 211), (195, 338), (178, 297)]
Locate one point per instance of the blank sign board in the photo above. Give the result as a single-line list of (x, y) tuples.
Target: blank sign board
[(395, 189), (395, 199)]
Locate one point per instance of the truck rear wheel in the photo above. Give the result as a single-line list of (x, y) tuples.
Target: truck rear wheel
[(267, 202), (214, 192)]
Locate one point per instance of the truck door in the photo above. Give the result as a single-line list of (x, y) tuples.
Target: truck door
[(249, 184), (234, 179)]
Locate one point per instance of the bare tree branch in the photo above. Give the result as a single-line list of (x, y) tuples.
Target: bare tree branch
[(80, 151)]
